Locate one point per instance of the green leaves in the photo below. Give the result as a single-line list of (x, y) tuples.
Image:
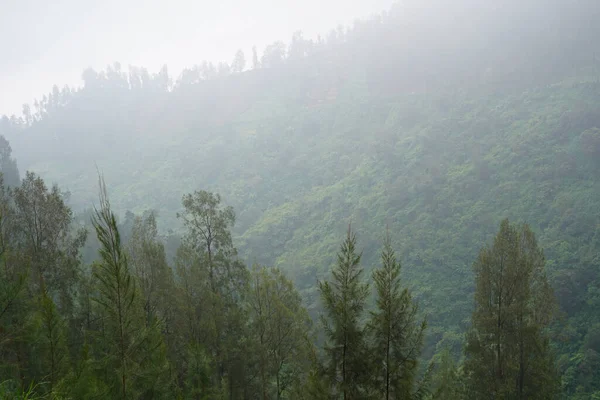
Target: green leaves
[(207, 222)]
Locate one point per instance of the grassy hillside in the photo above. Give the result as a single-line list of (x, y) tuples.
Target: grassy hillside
[(309, 145)]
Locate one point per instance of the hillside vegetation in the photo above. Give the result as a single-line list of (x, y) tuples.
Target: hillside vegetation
[(434, 127)]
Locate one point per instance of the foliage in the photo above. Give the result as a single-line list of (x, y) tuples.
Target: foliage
[(447, 381), (397, 335), (130, 349), (508, 353), (439, 127), (280, 326), (344, 300)]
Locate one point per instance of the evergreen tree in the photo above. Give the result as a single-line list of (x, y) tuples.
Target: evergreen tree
[(15, 308), (116, 297), (507, 351), (446, 382), (14, 304), (132, 351), (397, 335), (344, 302), (50, 345)]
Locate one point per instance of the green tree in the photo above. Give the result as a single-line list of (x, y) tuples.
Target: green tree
[(344, 301), (49, 346), (13, 301), (197, 383), (193, 325), (208, 232), (44, 235), (146, 254), (280, 327), (208, 235), (193, 290), (507, 351), (38, 243), (447, 379), (116, 295), (130, 349), (15, 307), (397, 334)]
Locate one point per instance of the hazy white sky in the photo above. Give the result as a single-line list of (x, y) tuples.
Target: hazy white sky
[(51, 42)]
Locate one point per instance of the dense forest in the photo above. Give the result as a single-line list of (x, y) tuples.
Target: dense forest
[(260, 211)]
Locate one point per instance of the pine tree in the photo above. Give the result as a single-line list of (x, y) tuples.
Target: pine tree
[(397, 335), (507, 351), (446, 382), (50, 345), (15, 303), (116, 297), (132, 349), (14, 312), (344, 302)]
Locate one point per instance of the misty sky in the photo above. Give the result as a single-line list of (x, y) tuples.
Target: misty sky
[(51, 42)]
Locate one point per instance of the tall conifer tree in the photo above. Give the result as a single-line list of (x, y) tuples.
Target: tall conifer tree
[(132, 350), (396, 332), (344, 301)]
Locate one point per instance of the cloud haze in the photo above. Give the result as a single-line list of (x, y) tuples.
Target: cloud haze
[(47, 43)]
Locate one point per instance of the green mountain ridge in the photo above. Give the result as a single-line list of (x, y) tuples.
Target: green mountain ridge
[(441, 187)]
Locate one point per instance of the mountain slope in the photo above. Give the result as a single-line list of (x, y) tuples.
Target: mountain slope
[(350, 131)]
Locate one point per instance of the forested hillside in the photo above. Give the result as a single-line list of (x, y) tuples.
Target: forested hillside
[(437, 125)]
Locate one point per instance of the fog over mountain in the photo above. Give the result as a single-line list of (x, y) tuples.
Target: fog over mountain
[(52, 42)]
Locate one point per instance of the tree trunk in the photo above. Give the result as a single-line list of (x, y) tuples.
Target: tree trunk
[(499, 324), (344, 371), (278, 389), (521, 359), (387, 367)]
